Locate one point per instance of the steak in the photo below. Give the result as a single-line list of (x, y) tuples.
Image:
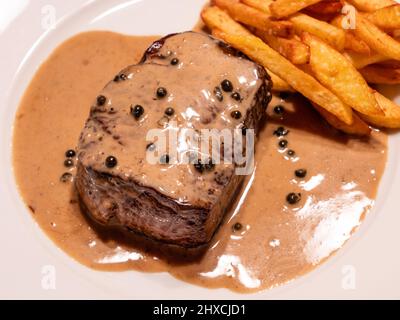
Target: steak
[(179, 84)]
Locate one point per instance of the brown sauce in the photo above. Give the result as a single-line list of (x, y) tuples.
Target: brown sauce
[(277, 242)]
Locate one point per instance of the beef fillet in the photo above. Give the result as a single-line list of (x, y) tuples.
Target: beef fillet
[(178, 84)]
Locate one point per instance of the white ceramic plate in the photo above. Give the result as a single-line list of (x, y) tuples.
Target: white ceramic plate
[(371, 257)]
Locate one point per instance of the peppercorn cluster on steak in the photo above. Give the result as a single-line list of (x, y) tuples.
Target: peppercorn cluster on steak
[(187, 80)]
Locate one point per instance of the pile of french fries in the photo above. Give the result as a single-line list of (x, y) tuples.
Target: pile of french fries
[(330, 51)]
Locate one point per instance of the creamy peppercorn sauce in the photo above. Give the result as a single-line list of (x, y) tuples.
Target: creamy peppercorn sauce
[(264, 241)]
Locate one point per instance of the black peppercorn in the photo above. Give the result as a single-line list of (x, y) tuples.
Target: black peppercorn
[(111, 162), (151, 147), (283, 144), (237, 226), (70, 153), (291, 153), (210, 165), (161, 92), (69, 163), (236, 114), (293, 198), (226, 85), (101, 100), (66, 177), (199, 167), (169, 111), (164, 159), (137, 111), (121, 76), (279, 109), (236, 96), (174, 61), (281, 131), (300, 173)]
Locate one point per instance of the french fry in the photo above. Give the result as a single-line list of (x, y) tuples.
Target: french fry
[(260, 52), (360, 61), (386, 18), (371, 5), (351, 41), (215, 18), (376, 39), (279, 85), (285, 8), (391, 117), (255, 18), (262, 5), (338, 84), (327, 7), (356, 45), (337, 73), (358, 128), (329, 33), (381, 75), (395, 34), (395, 64), (292, 49), (218, 20), (303, 22)]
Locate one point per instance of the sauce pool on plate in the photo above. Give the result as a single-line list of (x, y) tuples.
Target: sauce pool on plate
[(310, 190)]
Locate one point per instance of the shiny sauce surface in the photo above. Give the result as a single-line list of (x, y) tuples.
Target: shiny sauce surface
[(263, 242)]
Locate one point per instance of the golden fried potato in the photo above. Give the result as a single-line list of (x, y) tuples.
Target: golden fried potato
[(376, 39), (256, 49), (215, 18), (381, 75), (351, 41), (391, 116), (358, 128), (371, 5), (338, 86), (386, 18), (356, 45), (337, 73), (360, 61), (292, 49), (395, 64), (285, 8), (395, 34), (255, 18), (219, 21), (327, 7), (279, 85), (329, 33), (262, 5)]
